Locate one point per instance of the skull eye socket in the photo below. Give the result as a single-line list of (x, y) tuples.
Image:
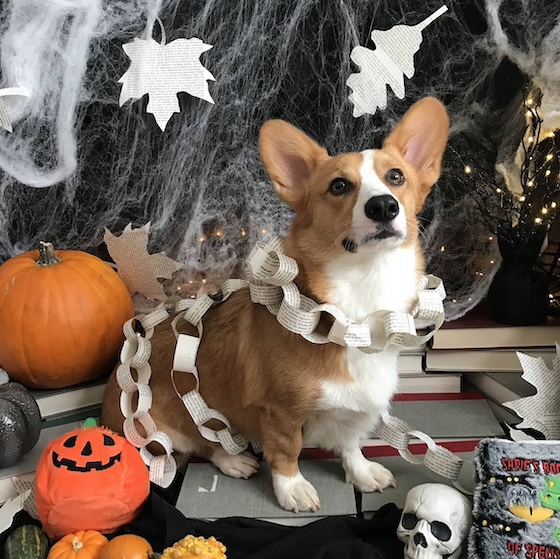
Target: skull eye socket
[(70, 442), (108, 441), (409, 520), (441, 531)]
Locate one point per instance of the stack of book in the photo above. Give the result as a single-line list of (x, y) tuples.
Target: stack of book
[(485, 353), (413, 377)]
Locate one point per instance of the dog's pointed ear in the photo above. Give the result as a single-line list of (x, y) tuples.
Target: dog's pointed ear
[(289, 157), (421, 137)]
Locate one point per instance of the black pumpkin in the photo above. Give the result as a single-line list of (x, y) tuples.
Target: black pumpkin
[(20, 423)]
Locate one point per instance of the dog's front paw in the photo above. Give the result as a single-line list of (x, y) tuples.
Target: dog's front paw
[(238, 465), (295, 493), (370, 476)]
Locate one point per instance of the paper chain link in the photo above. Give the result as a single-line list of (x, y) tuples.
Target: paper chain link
[(271, 284), (440, 460)]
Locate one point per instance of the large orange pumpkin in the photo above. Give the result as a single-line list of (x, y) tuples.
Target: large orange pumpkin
[(61, 317)]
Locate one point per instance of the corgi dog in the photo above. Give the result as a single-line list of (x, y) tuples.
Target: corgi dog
[(355, 238)]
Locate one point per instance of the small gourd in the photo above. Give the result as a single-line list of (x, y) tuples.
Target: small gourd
[(20, 423), (127, 546), (191, 547), (26, 542), (86, 544)]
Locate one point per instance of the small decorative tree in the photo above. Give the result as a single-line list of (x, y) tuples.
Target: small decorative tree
[(521, 220)]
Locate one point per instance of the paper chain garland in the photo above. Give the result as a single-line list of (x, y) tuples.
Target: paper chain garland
[(271, 285)]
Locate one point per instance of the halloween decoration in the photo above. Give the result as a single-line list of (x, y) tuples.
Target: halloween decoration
[(26, 542), (89, 479), (61, 317), (196, 548), (20, 423), (128, 546), (81, 545), (435, 522)]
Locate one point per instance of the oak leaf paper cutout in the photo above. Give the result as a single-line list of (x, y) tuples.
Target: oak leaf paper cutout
[(137, 268), (161, 71), (542, 410), (392, 59)]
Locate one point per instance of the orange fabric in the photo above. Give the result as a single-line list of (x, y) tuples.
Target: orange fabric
[(89, 479)]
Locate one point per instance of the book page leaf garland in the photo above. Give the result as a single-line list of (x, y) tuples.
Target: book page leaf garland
[(541, 411), (137, 268), (392, 59), (161, 70)]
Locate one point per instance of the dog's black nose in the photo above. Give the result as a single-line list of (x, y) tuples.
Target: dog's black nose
[(382, 208)]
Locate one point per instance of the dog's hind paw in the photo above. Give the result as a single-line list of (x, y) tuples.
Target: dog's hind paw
[(295, 493), (241, 465), (371, 476)]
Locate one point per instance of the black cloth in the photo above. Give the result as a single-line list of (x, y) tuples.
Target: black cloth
[(330, 538)]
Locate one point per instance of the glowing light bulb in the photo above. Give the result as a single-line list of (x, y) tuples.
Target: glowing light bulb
[(490, 238), (468, 169), (442, 248), (498, 190), (529, 101), (530, 139), (219, 233), (530, 183), (492, 261), (202, 239), (538, 220), (263, 231), (203, 281), (528, 113), (553, 204), (547, 173), (454, 300), (522, 198), (549, 157), (243, 233), (544, 211)]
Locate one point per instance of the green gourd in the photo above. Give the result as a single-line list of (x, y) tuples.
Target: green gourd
[(26, 542)]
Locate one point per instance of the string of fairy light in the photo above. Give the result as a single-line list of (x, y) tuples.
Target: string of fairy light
[(190, 287)]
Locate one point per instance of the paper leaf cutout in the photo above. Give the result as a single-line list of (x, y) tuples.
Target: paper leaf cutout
[(161, 71), (542, 410), (5, 120), (137, 268), (392, 59)]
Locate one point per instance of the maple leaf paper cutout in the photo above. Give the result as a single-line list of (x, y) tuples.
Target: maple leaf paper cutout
[(392, 59), (137, 268), (542, 410), (161, 71)]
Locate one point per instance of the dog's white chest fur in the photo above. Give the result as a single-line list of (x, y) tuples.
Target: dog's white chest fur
[(386, 281)]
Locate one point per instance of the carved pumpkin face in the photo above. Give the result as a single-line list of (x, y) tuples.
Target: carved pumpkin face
[(89, 479), (88, 451)]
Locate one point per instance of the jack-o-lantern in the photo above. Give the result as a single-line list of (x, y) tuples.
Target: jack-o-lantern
[(89, 479)]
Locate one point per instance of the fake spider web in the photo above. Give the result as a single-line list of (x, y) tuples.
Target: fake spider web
[(200, 182)]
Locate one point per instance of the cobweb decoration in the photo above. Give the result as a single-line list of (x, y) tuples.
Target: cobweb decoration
[(162, 70), (138, 269), (7, 94), (540, 412), (392, 59), (201, 184)]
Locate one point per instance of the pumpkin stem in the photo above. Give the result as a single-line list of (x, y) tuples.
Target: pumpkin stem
[(76, 543), (47, 257)]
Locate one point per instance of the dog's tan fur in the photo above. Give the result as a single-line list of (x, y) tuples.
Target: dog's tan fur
[(264, 379)]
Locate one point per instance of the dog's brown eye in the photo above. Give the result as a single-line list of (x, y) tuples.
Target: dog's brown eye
[(395, 177), (339, 187)]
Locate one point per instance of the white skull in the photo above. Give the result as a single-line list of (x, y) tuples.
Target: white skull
[(435, 521)]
